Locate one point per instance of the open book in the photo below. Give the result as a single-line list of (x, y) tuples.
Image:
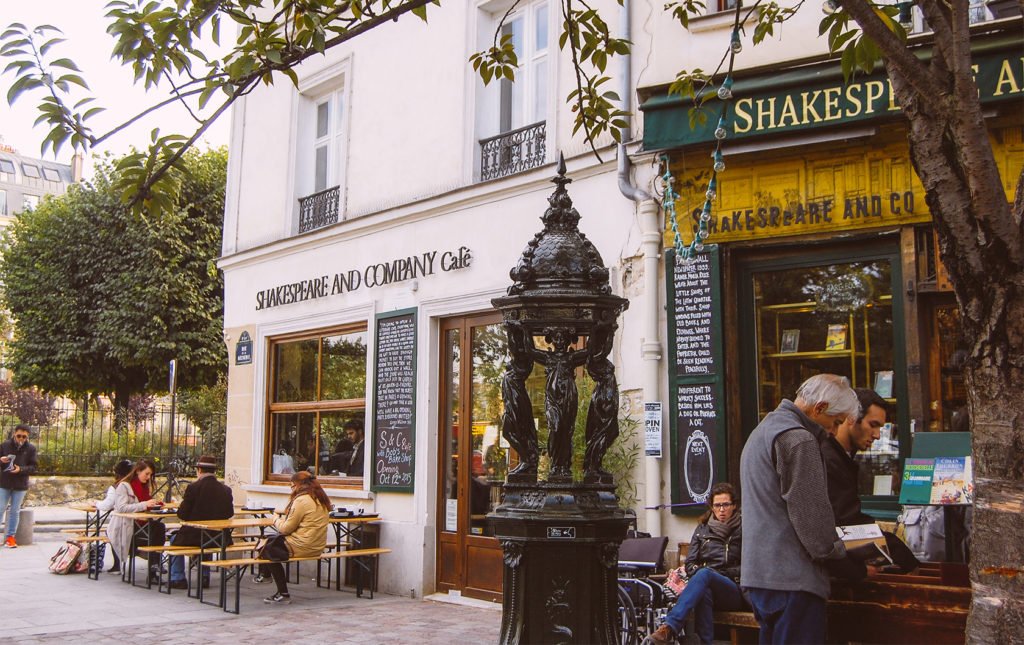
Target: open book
[(864, 542)]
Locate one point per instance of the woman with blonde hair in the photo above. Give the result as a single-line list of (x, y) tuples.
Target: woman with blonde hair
[(304, 527)]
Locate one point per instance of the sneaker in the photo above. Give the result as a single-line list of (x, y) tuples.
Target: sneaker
[(10, 543), (663, 636), (279, 599), (260, 579)]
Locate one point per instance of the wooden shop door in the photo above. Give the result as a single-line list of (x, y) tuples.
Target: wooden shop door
[(473, 458)]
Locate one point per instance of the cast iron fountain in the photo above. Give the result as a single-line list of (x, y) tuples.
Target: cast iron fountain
[(560, 537)]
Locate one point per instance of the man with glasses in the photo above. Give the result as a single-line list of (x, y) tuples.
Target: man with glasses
[(787, 517), (17, 462)]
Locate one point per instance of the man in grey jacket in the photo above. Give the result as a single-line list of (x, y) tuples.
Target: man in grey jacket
[(787, 518)]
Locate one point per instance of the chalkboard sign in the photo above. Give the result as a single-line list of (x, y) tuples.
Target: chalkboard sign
[(693, 319), (394, 402), (697, 416)]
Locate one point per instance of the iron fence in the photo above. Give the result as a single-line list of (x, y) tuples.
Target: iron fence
[(514, 151), (76, 440)]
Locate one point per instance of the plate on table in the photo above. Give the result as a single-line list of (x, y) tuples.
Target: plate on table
[(162, 511), (339, 514), (260, 509)]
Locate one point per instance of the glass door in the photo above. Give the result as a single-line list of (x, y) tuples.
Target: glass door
[(474, 458)]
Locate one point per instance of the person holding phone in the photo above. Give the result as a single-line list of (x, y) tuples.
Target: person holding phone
[(134, 494), (17, 462)]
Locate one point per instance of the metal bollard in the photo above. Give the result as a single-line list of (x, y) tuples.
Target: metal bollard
[(26, 526)]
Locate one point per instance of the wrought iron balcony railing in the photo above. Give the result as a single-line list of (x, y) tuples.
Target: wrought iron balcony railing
[(319, 209), (513, 151)]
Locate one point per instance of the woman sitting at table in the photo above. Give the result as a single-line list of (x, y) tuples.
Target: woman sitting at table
[(304, 526), (712, 570), (105, 505), (134, 494)]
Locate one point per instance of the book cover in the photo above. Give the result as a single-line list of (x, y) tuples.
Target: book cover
[(883, 384), (917, 481), (836, 339), (949, 480)]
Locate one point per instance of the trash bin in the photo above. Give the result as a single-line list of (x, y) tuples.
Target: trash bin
[(26, 526)]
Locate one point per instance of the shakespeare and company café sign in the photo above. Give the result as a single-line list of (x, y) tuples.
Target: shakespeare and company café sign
[(375, 274)]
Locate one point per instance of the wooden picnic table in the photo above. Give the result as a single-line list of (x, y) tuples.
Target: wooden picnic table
[(94, 519), (348, 530), (214, 534), (143, 522)]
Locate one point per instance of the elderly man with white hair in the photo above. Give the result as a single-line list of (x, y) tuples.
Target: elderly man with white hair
[(787, 518)]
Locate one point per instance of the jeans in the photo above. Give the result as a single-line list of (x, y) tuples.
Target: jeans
[(788, 616), (15, 498), (178, 569), (705, 592)]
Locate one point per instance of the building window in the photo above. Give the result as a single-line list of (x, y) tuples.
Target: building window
[(51, 175), (30, 170), (317, 406), (6, 167), (724, 5), (520, 116), (321, 155), (29, 202), (3, 202)]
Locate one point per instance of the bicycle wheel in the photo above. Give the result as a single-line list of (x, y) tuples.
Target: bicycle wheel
[(627, 619)]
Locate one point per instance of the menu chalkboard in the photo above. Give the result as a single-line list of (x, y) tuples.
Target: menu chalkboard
[(394, 402), (693, 319), (695, 369)]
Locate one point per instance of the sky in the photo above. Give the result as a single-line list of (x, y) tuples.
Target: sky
[(89, 46)]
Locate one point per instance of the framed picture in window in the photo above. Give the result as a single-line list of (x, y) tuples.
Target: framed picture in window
[(790, 341)]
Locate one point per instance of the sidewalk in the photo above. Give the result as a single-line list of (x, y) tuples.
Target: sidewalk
[(41, 607)]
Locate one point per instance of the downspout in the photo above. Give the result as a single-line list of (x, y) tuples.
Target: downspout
[(648, 211)]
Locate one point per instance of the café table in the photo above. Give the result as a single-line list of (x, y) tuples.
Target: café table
[(142, 523), (351, 530), (215, 534), (94, 519)]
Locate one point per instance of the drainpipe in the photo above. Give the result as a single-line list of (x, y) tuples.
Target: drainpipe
[(648, 211)]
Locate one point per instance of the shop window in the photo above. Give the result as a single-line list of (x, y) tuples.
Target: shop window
[(947, 409), (51, 175), (30, 170), (318, 406), (837, 319)]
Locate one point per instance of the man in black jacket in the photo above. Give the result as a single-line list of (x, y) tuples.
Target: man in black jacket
[(205, 499), (17, 462), (843, 472)]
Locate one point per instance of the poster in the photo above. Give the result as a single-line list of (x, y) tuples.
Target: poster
[(652, 429)]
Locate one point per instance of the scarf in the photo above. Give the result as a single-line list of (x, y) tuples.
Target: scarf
[(722, 530)]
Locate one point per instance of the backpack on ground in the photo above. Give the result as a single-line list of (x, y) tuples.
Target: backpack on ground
[(69, 558)]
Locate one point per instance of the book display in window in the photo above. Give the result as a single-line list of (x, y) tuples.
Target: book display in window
[(836, 338), (883, 384)]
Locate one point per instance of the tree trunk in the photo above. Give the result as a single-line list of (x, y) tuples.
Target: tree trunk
[(122, 394), (980, 245)]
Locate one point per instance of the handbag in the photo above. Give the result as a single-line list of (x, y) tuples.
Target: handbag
[(273, 548), (676, 580), (69, 558)]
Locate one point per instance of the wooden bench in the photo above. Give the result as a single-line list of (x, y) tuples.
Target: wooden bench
[(168, 551), (234, 568), (924, 608)]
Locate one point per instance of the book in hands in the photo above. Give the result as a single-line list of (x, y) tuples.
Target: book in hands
[(864, 542)]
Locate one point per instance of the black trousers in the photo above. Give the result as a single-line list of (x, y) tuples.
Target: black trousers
[(276, 571), (157, 536)]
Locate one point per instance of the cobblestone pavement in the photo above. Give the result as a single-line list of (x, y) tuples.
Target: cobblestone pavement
[(40, 607)]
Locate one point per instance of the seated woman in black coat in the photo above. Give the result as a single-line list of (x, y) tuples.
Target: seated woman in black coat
[(712, 570)]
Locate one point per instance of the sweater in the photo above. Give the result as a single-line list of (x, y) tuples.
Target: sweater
[(304, 528), (787, 517)]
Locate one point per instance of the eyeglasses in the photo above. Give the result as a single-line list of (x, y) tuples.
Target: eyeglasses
[(723, 505), (21, 436)]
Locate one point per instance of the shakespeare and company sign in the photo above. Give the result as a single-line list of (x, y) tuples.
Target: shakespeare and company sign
[(377, 274)]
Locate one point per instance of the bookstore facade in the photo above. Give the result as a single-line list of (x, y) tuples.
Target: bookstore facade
[(823, 259)]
